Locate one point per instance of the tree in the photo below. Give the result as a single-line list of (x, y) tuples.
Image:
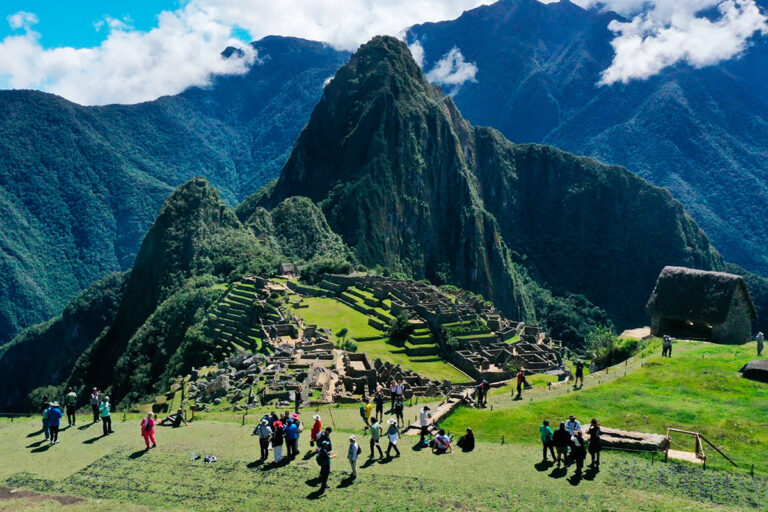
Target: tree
[(399, 330)]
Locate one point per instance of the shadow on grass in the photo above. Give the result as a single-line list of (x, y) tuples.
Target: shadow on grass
[(137, 454), (93, 439), (371, 462), (346, 482), (274, 465), (559, 472), (254, 464), (86, 426), (575, 478), (43, 448), (543, 465), (35, 434), (313, 482), (309, 455), (316, 494), (37, 443), (591, 473)]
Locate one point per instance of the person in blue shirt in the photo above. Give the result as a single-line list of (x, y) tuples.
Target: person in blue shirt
[(547, 438), (54, 421), (292, 438)]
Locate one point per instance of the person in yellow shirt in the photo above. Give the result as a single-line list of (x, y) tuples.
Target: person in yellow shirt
[(368, 413)]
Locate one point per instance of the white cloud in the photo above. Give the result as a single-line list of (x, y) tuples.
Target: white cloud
[(417, 51), (183, 50), (453, 71)]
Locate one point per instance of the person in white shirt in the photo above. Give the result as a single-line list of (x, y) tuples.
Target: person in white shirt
[(352, 453), (572, 425), (425, 417), (442, 443)]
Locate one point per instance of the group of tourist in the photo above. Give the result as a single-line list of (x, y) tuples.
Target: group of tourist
[(568, 440), (275, 431)]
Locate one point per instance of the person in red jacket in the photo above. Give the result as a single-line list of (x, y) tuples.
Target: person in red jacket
[(520, 381), (148, 430), (316, 428)]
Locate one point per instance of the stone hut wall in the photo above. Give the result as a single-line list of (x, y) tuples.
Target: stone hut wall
[(737, 327)]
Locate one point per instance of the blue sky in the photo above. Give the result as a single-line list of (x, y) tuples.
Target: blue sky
[(72, 23)]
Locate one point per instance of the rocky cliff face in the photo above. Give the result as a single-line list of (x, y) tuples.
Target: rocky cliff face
[(411, 186)]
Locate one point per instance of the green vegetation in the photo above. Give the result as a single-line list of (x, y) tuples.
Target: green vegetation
[(697, 389)]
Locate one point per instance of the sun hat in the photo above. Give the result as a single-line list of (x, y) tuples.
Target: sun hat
[(316, 416), (264, 421), (391, 421), (352, 437), (54, 404), (294, 416), (278, 424)]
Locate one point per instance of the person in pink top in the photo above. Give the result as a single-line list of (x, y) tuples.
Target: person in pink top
[(148, 430)]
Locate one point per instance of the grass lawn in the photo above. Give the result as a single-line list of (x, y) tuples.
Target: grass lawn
[(115, 473), (335, 315), (697, 389)]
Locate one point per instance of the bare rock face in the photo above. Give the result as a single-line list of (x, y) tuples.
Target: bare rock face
[(218, 387), (756, 370)]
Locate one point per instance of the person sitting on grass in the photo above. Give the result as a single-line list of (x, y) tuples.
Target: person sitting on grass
[(467, 441), (175, 420), (442, 443)]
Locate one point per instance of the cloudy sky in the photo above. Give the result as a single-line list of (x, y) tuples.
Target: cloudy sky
[(125, 51)]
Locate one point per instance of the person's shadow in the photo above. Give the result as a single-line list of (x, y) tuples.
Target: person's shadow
[(543, 465), (35, 434), (255, 464), (346, 482), (137, 454), (93, 440), (86, 426), (37, 443), (316, 494), (591, 473), (309, 454), (368, 463), (559, 472), (43, 448), (575, 479)]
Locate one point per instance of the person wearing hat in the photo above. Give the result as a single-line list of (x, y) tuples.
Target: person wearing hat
[(277, 440), (104, 412), (467, 441), (352, 454), (95, 401), (264, 433), (315, 431), (425, 417), (393, 434), (54, 421), (376, 437)]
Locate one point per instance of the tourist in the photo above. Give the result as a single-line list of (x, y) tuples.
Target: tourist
[(368, 412), (393, 434), (400, 389), (148, 431), (579, 375), (399, 412), (520, 380), (352, 454), (277, 440), (324, 456), (375, 437), (46, 424), (175, 420), (424, 420), (70, 402), (362, 415), (297, 399), (95, 401), (595, 444), (299, 430), (54, 421), (291, 438), (379, 401), (760, 343), (547, 441), (272, 419), (480, 390), (578, 450), (264, 432), (561, 439), (393, 392), (442, 443), (315, 431), (467, 441), (572, 425), (104, 413)]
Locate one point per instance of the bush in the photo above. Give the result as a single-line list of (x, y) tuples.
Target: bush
[(607, 349), (399, 330)]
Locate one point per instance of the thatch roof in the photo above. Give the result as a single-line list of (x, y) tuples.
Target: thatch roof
[(696, 295)]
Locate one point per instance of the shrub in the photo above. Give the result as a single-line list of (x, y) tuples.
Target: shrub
[(399, 330)]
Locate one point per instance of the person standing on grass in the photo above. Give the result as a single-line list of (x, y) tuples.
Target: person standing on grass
[(95, 402), (277, 440), (368, 412), (393, 434), (760, 343), (352, 453), (579, 375), (425, 417), (520, 380), (316, 428), (595, 444), (46, 424), (399, 409), (579, 451), (376, 438), (106, 418), (297, 403), (324, 456), (291, 438), (379, 401), (264, 433), (561, 439), (547, 438), (54, 421), (148, 431), (362, 415), (70, 402), (393, 392)]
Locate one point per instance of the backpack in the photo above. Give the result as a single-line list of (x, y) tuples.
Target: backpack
[(147, 426)]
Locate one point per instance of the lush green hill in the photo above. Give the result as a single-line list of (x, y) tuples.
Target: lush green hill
[(702, 133), (79, 186), (412, 187)]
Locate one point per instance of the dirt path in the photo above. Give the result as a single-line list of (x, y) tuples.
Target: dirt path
[(14, 494)]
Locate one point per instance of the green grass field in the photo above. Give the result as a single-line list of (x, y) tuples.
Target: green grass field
[(698, 390), (115, 473), (335, 315)]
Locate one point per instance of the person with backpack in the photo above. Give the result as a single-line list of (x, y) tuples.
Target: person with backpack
[(379, 401), (95, 402), (376, 438), (399, 410), (278, 435), (393, 434), (148, 430), (106, 418), (70, 402), (265, 433), (46, 424), (352, 454), (54, 421), (595, 444), (425, 417), (561, 439), (324, 456), (547, 437), (315, 431)]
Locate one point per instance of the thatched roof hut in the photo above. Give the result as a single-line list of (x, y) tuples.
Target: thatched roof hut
[(701, 304)]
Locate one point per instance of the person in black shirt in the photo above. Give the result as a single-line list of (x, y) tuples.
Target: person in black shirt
[(561, 439), (467, 441)]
